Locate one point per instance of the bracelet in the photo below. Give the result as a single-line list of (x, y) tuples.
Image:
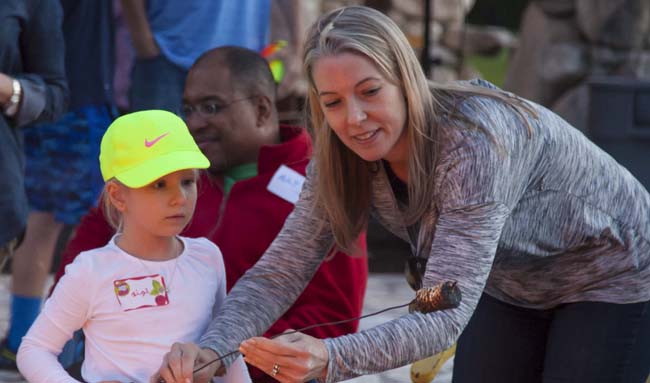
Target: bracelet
[(11, 108)]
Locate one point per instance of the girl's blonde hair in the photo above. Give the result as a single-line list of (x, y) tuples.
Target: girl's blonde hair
[(112, 215), (342, 179)]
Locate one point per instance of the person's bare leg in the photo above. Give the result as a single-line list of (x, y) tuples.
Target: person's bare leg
[(31, 264), (33, 259)]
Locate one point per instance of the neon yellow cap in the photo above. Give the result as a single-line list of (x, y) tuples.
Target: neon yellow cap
[(138, 148)]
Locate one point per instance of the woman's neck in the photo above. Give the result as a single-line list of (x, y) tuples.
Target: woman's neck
[(400, 169), (149, 247)]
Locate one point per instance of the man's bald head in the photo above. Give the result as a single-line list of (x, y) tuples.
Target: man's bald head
[(249, 72), (229, 106)]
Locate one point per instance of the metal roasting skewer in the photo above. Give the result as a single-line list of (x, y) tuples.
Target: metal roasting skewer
[(443, 296)]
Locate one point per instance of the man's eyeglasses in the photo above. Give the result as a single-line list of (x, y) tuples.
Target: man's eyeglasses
[(208, 108), (414, 270)]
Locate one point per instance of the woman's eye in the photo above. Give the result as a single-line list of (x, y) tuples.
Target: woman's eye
[(331, 103), (159, 184), (372, 91)]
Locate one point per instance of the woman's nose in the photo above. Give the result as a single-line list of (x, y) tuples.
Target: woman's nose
[(356, 114)]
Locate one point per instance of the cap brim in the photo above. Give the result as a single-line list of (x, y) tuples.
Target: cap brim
[(158, 167)]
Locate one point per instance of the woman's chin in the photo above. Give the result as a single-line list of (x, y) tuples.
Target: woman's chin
[(368, 157)]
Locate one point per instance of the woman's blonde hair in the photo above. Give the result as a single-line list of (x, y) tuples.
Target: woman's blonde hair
[(343, 180)]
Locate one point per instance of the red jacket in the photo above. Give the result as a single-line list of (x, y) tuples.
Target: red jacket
[(244, 226)]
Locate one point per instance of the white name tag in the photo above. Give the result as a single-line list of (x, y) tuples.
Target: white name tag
[(286, 184), (140, 292)]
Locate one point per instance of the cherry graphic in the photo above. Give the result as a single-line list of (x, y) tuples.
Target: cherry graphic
[(161, 300)]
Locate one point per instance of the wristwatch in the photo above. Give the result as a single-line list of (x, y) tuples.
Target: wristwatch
[(11, 107)]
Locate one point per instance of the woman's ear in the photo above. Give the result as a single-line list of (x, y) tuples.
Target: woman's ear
[(116, 194)]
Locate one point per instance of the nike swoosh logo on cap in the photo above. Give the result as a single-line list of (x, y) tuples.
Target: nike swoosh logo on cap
[(151, 143)]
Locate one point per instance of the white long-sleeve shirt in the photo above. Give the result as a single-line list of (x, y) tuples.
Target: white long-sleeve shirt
[(103, 292)]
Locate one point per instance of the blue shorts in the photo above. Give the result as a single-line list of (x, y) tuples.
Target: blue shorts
[(62, 174)]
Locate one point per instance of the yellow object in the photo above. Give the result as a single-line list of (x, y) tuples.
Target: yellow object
[(425, 370), (277, 69), (139, 148)]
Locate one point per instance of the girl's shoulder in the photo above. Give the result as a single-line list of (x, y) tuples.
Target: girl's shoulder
[(97, 255), (199, 243), (94, 262), (203, 250)]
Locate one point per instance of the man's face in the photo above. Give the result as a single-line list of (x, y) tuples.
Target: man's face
[(222, 120)]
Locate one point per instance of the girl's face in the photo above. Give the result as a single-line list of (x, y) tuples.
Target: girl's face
[(163, 208), (365, 110)]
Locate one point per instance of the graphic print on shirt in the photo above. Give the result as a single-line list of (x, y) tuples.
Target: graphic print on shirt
[(141, 292)]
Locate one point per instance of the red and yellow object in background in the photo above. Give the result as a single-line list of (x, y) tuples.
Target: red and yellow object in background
[(276, 65)]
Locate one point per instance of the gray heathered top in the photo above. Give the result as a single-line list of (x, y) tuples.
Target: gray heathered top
[(548, 218)]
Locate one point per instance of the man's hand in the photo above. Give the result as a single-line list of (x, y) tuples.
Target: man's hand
[(289, 358), (179, 363)]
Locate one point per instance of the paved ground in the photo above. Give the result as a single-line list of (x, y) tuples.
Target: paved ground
[(384, 290)]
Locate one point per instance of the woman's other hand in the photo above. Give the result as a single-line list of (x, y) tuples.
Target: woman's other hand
[(180, 362), (288, 358)]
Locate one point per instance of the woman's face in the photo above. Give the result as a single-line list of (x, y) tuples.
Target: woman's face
[(365, 110)]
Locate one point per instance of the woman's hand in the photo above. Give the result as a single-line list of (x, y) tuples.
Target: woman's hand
[(179, 363), (288, 358)]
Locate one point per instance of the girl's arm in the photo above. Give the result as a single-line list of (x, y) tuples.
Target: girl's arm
[(64, 312)]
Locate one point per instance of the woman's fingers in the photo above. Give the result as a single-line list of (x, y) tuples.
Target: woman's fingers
[(273, 360), (289, 358), (265, 355)]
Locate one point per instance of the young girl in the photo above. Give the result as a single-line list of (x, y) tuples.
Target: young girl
[(147, 288)]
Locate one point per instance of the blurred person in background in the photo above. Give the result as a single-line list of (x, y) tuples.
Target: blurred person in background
[(62, 180), (168, 36)]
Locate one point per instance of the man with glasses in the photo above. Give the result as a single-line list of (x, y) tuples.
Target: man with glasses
[(257, 166)]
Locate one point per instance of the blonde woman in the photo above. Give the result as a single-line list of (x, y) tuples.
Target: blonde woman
[(546, 235)]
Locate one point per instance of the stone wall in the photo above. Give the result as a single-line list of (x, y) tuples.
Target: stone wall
[(564, 43), (451, 39)]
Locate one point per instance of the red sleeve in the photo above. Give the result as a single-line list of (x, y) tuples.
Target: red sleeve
[(92, 232), (335, 293)]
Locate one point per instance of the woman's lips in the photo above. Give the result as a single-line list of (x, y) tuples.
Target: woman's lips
[(366, 137)]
